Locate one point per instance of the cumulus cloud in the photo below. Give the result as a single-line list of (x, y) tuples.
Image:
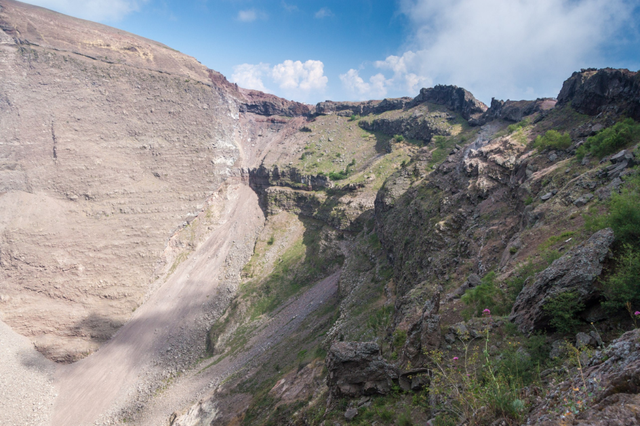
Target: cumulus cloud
[(307, 76), (250, 76), (94, 10), (356, 86), (251, 15), (295, 79), (503, 48), (324, 12)]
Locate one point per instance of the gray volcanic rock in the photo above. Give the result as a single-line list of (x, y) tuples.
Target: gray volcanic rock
[(357, 368), (455, 98), (576, 272), (612, 377), (424, 334), (421, 127), (266, 104), (593, 91), (362, 108), (513, 110)]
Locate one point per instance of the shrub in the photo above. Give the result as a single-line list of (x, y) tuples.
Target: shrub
[(519, 125), (623, 216), (611, 139), (399, 138), (563, 309), (342, 174), (487, 295), (623, 286), (553, 139), (477, 390), (624, 213), (399, 338)]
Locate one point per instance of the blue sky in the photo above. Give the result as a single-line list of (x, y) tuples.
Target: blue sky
[(314, 50)]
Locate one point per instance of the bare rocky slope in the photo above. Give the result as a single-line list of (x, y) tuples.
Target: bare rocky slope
[(189, 252)]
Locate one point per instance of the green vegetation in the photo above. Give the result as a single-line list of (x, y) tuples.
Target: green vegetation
[(343, 174), (487, 295), (622, 287), (479, 388), (611, 139), (399, 138), (552, 139), (519, 125), (563, 309), (443, 146)]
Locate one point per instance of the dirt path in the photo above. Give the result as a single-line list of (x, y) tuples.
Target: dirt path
[(26, 381), (172, 321), (198, 383)]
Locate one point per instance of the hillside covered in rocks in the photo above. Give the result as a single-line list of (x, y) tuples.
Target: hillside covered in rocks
[(177, 250)]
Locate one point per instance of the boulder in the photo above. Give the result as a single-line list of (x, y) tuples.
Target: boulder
[(576, 272), (472, 281), (351, 413), (357, 369), (584, 340)]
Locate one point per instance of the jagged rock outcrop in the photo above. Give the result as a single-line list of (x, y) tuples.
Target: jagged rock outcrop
[(361, 108), (574, 272), (491, 165), (357, 368), (611, 396), (262, 177), (592, 91), (421, 126), (455, 98), (266, 104), (513, 110), (423, 335)]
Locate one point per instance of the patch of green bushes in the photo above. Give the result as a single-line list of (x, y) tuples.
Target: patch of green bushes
[(343, 174), (623, 285), (519, 125), (552, 139), (563, 310), (487, 295), (611, 139)]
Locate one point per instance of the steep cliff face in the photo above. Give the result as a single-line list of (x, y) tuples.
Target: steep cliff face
[(110, 144)]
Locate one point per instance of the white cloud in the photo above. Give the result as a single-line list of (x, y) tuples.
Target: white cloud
[(289, 7), (94, 10), (356, 86), (307, 76), (251, 15), (501, 48), (250, 76), (324, 12), (295, 79)]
